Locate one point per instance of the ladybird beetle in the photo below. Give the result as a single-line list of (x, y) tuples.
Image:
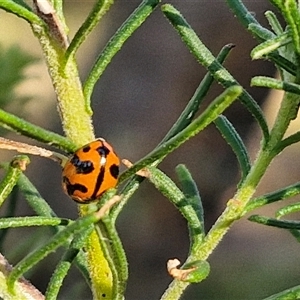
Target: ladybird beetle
[(91, 171)]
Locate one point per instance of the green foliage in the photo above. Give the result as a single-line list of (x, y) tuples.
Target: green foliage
[(13, 61), (92, 241)]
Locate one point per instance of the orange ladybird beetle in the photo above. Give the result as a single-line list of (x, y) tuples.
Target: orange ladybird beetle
[(91, 171)]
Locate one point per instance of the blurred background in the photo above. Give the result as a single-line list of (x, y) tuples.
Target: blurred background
[(137, 100)]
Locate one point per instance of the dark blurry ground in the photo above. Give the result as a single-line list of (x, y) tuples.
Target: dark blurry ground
[(137, 100)]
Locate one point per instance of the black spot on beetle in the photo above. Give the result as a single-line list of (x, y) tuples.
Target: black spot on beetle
[(99, 181), (71, 188), (86, 148), (103, 151), (82, 166), (114, 171)]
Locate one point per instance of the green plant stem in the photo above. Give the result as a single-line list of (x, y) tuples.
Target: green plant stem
[(78, 128), (76, 120), (119, 257), (119, 278), (236, 206)]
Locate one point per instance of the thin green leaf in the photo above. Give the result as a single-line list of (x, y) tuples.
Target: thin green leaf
[(169, 189), (34, 199), (270, 45), (134, 21), (296, 234), (236, 143), (273, 83), (9, 212), (205, 57), (289, 209), (64, 265), (208, 116), (292, 17), (290, 294), (191, 193), (281, 194), (283, 63), (260, 32), (127, 192), (242, 13), (59, 275), (274, 22), (192, 107), (200, 269), (274, 222), (292, 139), (14, 123), (99, 10), (24, 4), (56, 241), (11, 178), (82, 265), (21, 11), (31, 221)]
